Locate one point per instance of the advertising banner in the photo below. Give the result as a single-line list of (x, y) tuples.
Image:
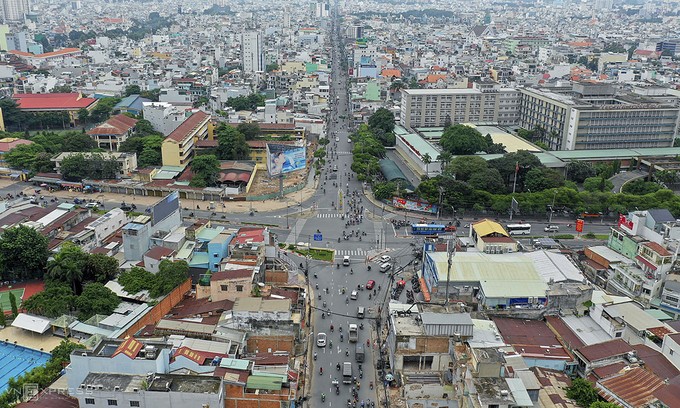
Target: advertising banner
[(412, 205), (284, 159), (579, 225)]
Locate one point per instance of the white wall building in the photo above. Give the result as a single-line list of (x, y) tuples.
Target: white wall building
[(252, 53), (163, 116)]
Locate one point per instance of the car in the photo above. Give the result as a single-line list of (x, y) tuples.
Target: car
[(349, 140), (370, 284), (385, 259), (321, 340), (77, 201), (126, 208), (337, 139), (91, 205), (551, 228), (354, 295), (346, 260)]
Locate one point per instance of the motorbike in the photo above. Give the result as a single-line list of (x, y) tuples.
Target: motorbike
[(337, 366), (320, 370), (369, 267), (323, 315), (361, 326), (315, 356), (323, 397), (371, 385), (342, 338)]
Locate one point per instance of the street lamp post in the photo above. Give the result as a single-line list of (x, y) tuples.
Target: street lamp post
[(287, 208), (552, 208)]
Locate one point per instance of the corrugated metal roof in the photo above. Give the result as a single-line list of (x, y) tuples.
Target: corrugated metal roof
[(487, 227), (269, 382)]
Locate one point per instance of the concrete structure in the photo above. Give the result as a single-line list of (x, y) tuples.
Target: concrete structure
[(252, 53), (593, 116), (486, 102), (127, 161), (14, 10), (491, 237), (231, 284), (110, 134), (165, 217), (163, 116), (178, 147)]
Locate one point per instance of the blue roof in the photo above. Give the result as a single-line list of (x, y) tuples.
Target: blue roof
[(132, 101)]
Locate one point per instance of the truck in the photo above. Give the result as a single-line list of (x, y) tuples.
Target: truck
[(346, 372), (359, 353), (353, 333)]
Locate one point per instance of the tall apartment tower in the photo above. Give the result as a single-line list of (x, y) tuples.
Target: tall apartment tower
[(252, 53), (14, 10)]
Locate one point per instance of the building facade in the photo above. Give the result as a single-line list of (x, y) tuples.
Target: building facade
[(252, 53), (486, 102), (593, 116), (178, 147)]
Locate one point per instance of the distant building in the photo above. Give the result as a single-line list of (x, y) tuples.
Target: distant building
[(70, 103), (163, 116), (252, 52), (110, 134), (486, 102), (127, 161), (133, 104), (14, 10)]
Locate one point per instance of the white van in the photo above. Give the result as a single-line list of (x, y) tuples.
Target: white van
[(551, 228), (385, 267)]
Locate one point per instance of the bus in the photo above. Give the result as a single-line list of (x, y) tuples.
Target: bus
[(427, 229), (518, 229)]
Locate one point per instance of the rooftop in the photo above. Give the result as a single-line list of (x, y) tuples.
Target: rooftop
[(195, 384), (636, 387), (611, 348), (54, 101), (188, 126)]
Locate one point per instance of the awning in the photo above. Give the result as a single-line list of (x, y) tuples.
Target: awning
[(74, 185), (40, 179), (31, 323), (646, 262)]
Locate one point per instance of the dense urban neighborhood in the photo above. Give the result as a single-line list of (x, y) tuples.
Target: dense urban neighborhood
[(243, 204)]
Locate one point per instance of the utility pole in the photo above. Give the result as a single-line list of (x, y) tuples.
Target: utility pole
[(451, 251)]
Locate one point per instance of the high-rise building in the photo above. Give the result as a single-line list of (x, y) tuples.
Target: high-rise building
[(322, 9), (252, 53), (487, 102), (14, 10), (594, 116)]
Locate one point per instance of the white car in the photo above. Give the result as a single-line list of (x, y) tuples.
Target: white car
[(354, 295), (385, 259), (91, 205), (337, 139), (349, 140), (346, 260), (321, 340)]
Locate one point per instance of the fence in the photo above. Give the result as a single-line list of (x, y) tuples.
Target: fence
[(160, 309)]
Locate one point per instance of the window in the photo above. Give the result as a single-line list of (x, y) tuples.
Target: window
[(134, 403), (89, 401), (224, 288), (112, 403), (671, 352), (239, 288)]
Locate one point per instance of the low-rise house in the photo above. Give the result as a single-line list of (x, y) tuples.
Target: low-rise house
[(110, 134), (69, 103)]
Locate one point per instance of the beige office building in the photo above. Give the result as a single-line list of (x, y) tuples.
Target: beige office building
[(486, 103), (594, 116)]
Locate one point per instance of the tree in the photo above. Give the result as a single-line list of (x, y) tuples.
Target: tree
[(13, 117), (603, 404), (67, 266), (447, 122), (78, 142), (597, 184), (136, 280), (542, 178), (462, 140), (23, 157), (170, 275), (251, 130), (132, 90), (582, 392), (3, 319), (57, 299), (76, 167), (272, 67), (487, 180), (205, 169), (100, 268), (519, 162), (231, 144), (463, 167), (13, 304), (23, 253), (382, 119), (103, 110), (61, 89), (84, 115), (384, 191), (427, 159), (445, 158), (578, 171), (640, 187), (96, 299), (249, 103)]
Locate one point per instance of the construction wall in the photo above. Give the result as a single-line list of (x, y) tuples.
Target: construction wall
[(161, 309)]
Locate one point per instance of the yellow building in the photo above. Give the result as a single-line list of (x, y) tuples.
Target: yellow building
[(178, 147), (490, 236)]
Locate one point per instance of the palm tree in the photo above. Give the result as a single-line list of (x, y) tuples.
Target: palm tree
[(427, 159), (445, 158), (66, 270)]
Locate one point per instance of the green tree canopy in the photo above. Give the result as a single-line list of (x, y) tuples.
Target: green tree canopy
[(487, 180), (14, 118), (542, 178), (462, 140), (582, 392), (520, 161), (23, 253), (68, 265), (382, 119), (463, 167), (57, 299), (170, 275), (205, 169), (578, 171), (78, 142), (77, 167), (641, 187), (132, 90), (597, 184), (231, 144), (246, 103), (100, 268), (96, 299), (251, 130), (136, 280)]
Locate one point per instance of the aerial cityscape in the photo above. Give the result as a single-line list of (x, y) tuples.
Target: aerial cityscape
[(337, 203)]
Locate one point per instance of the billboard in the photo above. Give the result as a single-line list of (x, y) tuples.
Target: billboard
[(412, 205), (579, 225), (282, 159), (162, 209)]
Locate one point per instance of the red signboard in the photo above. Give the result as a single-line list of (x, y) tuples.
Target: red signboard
[(624, 222), (579, 225)]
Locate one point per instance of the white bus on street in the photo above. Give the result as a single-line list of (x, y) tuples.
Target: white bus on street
[(518, 229)]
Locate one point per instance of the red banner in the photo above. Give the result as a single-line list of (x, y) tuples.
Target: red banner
[(624, 222), (579, 225)]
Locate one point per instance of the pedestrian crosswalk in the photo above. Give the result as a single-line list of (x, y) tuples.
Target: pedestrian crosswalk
[(328, 215), (350, 252)]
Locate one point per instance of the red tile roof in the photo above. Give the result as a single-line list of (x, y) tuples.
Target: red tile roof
[(657, 248), (116, 125), (599, 351), (130, 347), (231, 274), (564, 333), (198, 357), (191, 123), (531, 338), (277, 126), (248, 235), (159, 252), (50, 399), (261, 144), (656, 362), (636, 387), (63, 51), (669, 394), (53, 101), (192, 306)]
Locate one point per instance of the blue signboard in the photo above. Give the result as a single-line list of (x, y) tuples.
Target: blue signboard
[(318, 237)]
